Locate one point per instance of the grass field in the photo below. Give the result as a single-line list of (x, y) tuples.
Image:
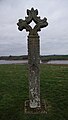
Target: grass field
[(14, 91)]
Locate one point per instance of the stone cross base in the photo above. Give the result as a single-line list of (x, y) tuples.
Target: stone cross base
[(38, 110)]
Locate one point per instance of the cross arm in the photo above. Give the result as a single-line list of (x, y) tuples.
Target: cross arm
[(41, 24), (22, 24)]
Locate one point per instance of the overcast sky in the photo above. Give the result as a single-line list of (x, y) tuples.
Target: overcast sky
[(53, 38)]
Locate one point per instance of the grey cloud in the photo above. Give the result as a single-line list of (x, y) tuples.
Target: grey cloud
[(54, 48), (56, 34), (12, 49)]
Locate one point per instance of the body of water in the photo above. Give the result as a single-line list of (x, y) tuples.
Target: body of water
[(58, 62), (26, 61), (13, 61)]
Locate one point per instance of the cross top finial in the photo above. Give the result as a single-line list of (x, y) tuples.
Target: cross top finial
[(32, 16)]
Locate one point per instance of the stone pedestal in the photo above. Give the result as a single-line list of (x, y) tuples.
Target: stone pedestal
[(38, 110)]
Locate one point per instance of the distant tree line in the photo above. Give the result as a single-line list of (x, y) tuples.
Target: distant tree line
[(53, 57), (24, 57), (43, 58)]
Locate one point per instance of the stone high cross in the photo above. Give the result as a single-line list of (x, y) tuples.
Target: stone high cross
[(33, 54)]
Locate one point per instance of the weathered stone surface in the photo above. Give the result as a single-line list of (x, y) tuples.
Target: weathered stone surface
[(33, 54), (39, 110), (34, 77), (32, 15)]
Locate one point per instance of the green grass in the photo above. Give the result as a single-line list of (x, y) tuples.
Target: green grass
[(14, 91)]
